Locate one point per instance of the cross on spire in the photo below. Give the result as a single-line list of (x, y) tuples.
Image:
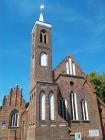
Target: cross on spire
[(41, 18)]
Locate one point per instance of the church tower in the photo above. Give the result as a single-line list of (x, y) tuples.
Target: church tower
[(43, 91), (41, 54)]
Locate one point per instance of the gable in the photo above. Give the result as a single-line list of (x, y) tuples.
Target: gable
[(68, 67)]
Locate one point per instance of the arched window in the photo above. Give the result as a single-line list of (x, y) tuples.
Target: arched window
[(51, 108), (42, 105), (43, 36), (63, 108), (85, 115), (73, 66), (43, 59), (70, 67), (74, 108), (67, 67), (14, 118)]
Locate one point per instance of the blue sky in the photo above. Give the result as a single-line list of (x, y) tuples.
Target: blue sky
[(78, 27)]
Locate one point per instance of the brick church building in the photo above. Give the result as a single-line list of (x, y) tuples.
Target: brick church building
[(63, 104)]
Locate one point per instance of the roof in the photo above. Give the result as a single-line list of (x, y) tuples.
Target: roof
[(100, 101), (65, 59), (59, 69)]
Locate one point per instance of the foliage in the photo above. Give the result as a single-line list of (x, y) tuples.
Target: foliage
[(98, 81)]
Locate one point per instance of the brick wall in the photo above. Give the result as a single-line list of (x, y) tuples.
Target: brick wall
[(101, 106), (12, 102)]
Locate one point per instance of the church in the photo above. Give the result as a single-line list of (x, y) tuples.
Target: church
[(63, 104)]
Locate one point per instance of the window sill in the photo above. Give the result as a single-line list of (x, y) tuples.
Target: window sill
[(62, 125), (75, 121), (52, 125), (43, 125), (44, 66), (52, 121), (13, 127), (42, 122), (86, 121)]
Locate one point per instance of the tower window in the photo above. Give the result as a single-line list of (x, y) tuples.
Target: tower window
[(43, 59), (84, 108), (14, 118), (70, 67), (74, 108), (43, 36), (42, 106), (51, 108)]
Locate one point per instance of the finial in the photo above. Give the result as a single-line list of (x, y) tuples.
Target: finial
[(41, 18), (16, 85)]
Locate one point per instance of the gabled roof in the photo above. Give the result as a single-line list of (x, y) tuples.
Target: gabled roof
[(14, 98), (61, 66), (65, 59)]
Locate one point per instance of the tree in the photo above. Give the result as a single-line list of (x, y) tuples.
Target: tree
[(98, 81)]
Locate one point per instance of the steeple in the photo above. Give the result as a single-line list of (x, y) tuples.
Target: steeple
[(41, 18), (41, 57)]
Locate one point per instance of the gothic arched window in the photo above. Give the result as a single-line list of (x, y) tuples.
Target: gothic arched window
[(14, 118), (43, 59), (70, 67), (43, 36), (63, 108), (74, 108), (85, 115), (51, 106), (73, 69), (42, 105)]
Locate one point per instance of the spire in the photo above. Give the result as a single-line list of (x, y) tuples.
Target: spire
[(41, 18)]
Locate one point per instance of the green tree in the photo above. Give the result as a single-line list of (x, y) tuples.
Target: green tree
[(98, 80)]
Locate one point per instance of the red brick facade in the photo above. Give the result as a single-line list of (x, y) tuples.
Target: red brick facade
[(101, 106), (11, 103), (76, 112)]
